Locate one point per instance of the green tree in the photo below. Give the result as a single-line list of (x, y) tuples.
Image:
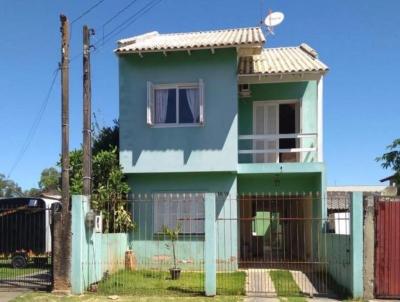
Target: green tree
[(109, 187), (76, 171), (105, 138), (110, 192), (391, 159), (33, 192), (49, 180), (9, 188)]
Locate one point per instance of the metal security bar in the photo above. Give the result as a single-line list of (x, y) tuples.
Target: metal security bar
[(266, 244), (25, 244), (285, 244), (157, 250)]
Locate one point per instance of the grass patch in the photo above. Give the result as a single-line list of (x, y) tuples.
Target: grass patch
[(45, 297), (8, 272), (147, 283), (285, 286)]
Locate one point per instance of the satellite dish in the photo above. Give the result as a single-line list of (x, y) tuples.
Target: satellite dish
[(274, 19)]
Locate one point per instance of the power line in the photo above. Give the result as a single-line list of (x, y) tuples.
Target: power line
[(35, 125), (87, 11), (118, 13), (122, 26), (129, 21)]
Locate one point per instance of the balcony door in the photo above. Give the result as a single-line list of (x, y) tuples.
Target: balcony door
[(273, 118), (266, 121)]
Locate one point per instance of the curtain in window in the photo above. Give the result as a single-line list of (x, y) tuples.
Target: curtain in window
[(185, 209), (192, 95), (161, 102)]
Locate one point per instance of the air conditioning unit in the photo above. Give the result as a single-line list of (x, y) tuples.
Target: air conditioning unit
[(244, 90)]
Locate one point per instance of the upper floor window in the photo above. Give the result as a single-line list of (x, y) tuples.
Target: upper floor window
[(175, 104)]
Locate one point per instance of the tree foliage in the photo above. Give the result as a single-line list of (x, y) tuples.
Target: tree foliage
[(33, 192), (391, 159), (106, 138), (50, 180), (173, 235), (9, 188), (109, 188)]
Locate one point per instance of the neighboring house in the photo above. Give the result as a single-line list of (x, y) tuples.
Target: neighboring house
[(215, 111), (338, 205), (394, 188)]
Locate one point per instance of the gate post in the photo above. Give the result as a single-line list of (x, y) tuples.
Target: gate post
[(356, 244), (369, 247), (210, 248), (80, 207)]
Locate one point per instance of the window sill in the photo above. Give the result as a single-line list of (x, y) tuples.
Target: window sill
[(176, 125), (184, 236)]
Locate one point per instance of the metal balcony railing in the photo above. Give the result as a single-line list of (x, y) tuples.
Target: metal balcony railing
[(277, 148)]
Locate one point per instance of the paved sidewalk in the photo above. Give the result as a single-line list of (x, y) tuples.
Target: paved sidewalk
[(6, 296), (261, 299)]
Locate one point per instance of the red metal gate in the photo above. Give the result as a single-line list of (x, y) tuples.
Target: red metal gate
[(387, 248)]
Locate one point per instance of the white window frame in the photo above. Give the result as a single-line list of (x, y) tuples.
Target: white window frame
[(150, 103), (176, 197)]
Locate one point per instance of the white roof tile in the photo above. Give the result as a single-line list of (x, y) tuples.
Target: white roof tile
[(282, 60), (155, 42)]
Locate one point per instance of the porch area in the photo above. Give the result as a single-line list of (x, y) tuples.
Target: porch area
[(280, 123), (277, 230)]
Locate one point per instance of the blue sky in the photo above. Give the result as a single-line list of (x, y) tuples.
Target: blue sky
[(359, 40)]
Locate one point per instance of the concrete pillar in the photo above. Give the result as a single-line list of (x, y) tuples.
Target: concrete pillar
[(356, 244), (369, 247), (210, 247), (80, 206)]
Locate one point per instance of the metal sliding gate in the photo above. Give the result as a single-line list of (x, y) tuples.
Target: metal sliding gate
[(25, 244), (283, 243), (387, 246)]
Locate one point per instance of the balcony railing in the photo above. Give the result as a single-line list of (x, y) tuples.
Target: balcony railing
[(276, 148)]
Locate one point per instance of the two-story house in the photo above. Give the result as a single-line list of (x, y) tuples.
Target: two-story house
[(215, 111)]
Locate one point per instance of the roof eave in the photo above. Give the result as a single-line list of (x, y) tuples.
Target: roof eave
[(163, 50), (260, 78)]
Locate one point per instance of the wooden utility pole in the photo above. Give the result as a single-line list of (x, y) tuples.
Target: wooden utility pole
[(62, 219), (87, 112)]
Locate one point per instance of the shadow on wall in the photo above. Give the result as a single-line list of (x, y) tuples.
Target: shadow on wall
[(141, 143), (211, 137)]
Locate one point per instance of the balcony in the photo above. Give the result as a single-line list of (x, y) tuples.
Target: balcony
[(278, 148)]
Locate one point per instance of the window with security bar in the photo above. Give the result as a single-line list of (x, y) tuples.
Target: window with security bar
[(184, 209)]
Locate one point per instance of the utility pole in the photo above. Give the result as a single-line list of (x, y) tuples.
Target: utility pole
[(62, 219), (87, 112)]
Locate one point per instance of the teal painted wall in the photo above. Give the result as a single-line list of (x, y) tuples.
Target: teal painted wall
[(113, 248), (151, 249), (280, 183), (93, 254), (357, 244), (306, 92), (212, 147)]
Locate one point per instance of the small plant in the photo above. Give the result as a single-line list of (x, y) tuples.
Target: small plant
[(173, 234)]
